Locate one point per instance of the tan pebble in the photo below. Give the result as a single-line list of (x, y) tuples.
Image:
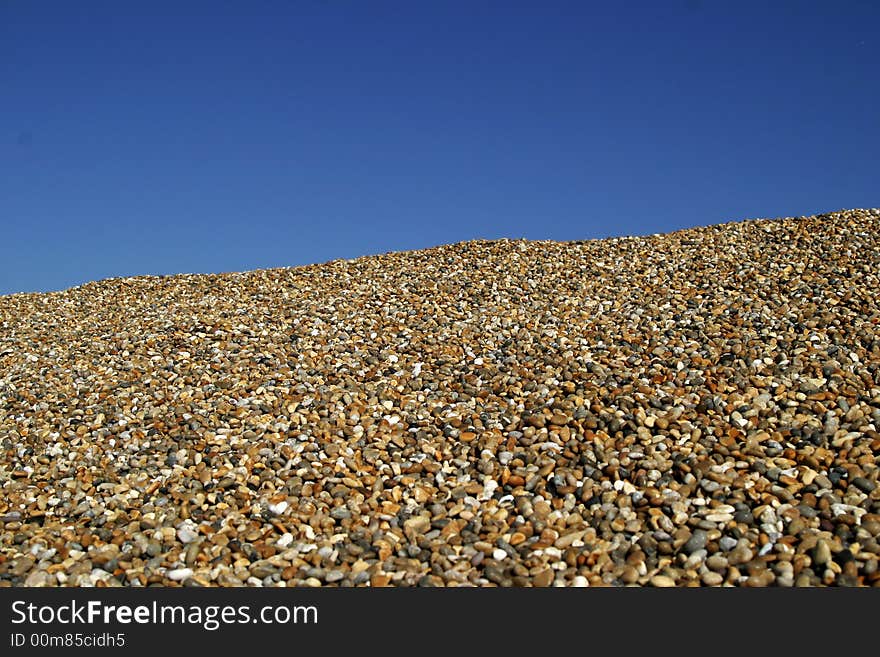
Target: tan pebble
[(662, 581), (543, 578), (380, 580), (711, 578)]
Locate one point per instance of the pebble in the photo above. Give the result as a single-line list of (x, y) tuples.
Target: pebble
[(187, 534), (865, 485), (674, 409), (711, 578), (263, 569), (727, 543), (543, 578), (717, 562), (697, 541), (38, 578), (821, 553), (278, 508), (179, 574), (740, 554), (21, 565), (662, 581)]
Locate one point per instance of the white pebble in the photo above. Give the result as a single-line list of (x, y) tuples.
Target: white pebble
[(187, 534), (179, 574), (278, 508), (488, 490)]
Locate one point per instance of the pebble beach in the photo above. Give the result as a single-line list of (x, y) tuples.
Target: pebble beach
[(698, 408)]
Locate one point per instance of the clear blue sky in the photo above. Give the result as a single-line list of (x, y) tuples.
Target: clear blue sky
[(168, 137)]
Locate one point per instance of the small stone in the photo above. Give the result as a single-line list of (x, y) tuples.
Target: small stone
[(380, 579), (630, 575), (227, 579), (717, 562), (739, 555), (559, 419), (727, 543), (98, 575), (662, 581), (179, 574), (697, 541), (285, 540), (822, 481), (865, 485), (416, 525), (821, 553), (191, 553), (543, 578), (340, 513), (278, 508), (711, 578), (536, 420), (38, 578), (263, 569), (498, 554), (21, 565), (187, 534)]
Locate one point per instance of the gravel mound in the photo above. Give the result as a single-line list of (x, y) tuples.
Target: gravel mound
[(696, 408)]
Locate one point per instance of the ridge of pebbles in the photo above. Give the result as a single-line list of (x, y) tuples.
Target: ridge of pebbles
[(695, 408)]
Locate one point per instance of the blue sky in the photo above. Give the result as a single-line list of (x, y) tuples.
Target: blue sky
[(169, 137)]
